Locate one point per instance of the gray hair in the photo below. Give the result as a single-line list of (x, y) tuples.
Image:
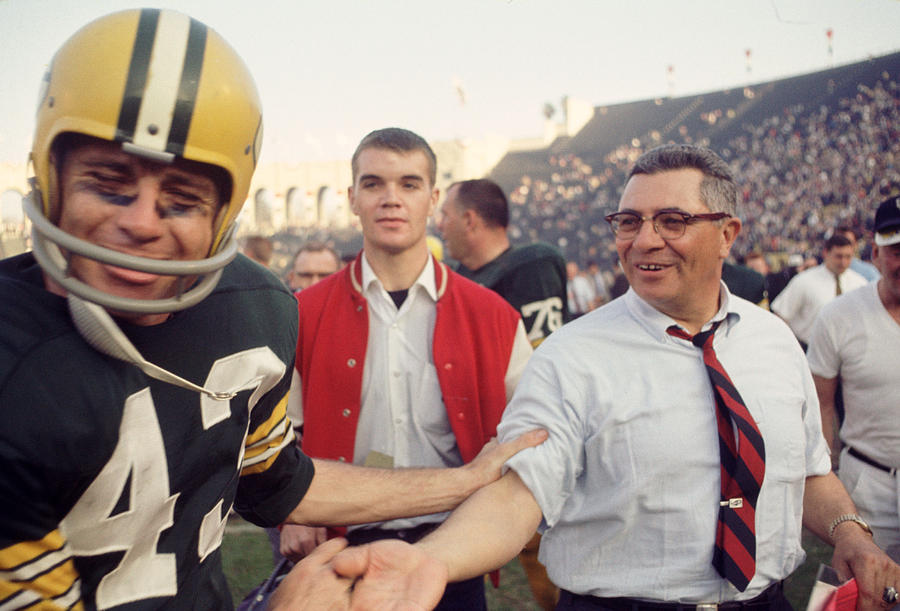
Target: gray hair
[(718, 191)]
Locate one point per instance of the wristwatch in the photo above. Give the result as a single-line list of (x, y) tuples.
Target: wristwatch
[(848, 517)]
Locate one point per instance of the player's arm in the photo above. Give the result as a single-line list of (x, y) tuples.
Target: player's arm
[(855, 553), (482, 534), (825, 389), (348, 494)]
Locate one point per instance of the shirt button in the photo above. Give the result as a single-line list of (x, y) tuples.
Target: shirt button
[(448, 366), (351, 362), (460, 415), (345, 413), (359, 308), (341, 459)]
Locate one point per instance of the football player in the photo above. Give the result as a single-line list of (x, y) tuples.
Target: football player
[(144, 366)]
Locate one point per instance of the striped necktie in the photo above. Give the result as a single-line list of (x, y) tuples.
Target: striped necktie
[(743, 469)]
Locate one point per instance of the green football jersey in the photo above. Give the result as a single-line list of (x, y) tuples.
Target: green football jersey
[(532, 278), (116, 487)]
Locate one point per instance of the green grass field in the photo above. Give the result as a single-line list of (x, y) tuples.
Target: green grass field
[(248, 561)]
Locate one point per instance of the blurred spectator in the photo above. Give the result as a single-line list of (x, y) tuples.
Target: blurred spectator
[(579, 290), (744, 282), (778, 280), (619, 284), (259, 248), (601, 291), (314, 261), (800, 301), (863, 268)]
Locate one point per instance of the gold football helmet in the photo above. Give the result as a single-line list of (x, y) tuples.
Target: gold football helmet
[(165, 86)]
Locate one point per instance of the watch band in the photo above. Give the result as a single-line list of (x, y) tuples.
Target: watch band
[(847, 517)]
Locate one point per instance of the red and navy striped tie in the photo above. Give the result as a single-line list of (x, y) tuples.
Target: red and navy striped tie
[(743, 468)]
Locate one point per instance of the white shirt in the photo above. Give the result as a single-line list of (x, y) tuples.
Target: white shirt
[(629, 479), (855, 337), (800, 301), (403, 421), (580, 294)]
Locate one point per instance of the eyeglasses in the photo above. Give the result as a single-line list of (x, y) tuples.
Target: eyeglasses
[(669, 224)]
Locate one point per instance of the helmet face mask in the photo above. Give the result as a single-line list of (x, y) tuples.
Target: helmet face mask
[(166, 87)]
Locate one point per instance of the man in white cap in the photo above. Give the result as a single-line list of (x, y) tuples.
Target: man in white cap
[(856, 341)]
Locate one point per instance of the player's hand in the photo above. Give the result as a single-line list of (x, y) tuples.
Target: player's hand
[(312, 585), (488, 465), (856, 555), (298, 541), (392, 576)]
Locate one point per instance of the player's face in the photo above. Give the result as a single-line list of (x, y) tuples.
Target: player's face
[(138, 207), (393, 197), (678, 277), (451, 224), (310, 267), (887, 260), (838, 258)]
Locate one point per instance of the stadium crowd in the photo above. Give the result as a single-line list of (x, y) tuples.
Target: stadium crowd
[(803, 172)]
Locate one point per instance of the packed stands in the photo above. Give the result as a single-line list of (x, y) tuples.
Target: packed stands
[(810, 152)]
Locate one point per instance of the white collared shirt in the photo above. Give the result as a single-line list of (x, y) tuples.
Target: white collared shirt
[(800, 301), (629, 480)]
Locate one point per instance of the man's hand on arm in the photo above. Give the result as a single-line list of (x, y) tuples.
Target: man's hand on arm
[(855, 553), (342, 494), (488, 465)]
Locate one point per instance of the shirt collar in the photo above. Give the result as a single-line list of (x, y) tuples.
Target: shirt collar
[(425, 279), (656, 323)]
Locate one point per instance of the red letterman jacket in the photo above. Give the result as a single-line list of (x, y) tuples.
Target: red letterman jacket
[(473, 337)]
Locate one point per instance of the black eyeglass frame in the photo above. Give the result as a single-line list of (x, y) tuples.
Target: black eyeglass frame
[(689, 219)]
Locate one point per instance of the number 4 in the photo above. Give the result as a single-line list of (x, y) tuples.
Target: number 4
[(141, 458)]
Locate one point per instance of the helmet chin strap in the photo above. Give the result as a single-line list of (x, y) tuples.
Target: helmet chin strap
[(99, 329)]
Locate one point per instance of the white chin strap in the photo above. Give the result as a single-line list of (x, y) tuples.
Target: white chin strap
[(98, 329)]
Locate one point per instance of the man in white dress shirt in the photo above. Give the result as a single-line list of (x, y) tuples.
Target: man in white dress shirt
[(800, 301), (627, 487)]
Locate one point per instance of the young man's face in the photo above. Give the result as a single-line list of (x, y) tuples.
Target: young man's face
[(678, 277), (393, 197), (837, 259), (134, 206)]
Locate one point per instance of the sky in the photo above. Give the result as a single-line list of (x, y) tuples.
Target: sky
[(328, 72)]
